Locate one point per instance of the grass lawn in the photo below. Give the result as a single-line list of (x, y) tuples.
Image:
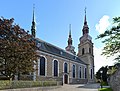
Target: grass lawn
[(105, 89)]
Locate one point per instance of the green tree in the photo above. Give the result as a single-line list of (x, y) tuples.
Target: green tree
[(17, 49), (102, 75), (112, 40)]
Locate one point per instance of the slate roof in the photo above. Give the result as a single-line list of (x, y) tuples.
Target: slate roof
[(49, 48)]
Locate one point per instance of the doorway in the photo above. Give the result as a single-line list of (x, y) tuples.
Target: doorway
[(65, 79)]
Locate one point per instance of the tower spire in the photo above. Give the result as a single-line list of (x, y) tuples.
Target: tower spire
[(69, 30), (70, 38), (69, 47), (85, 21), (85, 27), (33, 12), (33, 31)]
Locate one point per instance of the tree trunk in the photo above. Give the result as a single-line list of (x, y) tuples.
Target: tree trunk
[(18, 75)]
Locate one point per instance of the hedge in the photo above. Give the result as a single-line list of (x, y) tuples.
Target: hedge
[(4, 84), (104, 89), (25, 84)]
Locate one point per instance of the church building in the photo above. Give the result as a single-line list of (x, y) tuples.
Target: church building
[(66, 65)]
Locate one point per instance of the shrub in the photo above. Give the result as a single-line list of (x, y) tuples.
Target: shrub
[(104, 83), (105, 89), (25, 84), (4, 84)]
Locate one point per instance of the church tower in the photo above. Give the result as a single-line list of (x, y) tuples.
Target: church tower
[(33, 31), (70, 48), (85, 50)]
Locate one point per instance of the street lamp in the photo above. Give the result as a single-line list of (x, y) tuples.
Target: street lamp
[(101, 78)]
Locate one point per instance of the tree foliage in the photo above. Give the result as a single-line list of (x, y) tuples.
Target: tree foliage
[(102, 75), (17, 49), (113, 69), (112, 39)]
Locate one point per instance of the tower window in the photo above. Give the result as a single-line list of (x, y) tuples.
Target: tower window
[(91, 74), (83, 51), (85, 75), (89, 50)]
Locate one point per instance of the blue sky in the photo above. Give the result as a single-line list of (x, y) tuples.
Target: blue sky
[(54, 16)]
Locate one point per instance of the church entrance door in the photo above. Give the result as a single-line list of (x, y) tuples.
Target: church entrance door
[(66, 79)]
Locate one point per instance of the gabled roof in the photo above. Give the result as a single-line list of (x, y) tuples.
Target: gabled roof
[(49, 48)]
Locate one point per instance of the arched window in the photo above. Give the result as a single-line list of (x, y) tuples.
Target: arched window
[(80, 73), (42, 66), (73, 71), (89, 50), (55, 68), (65, 67), (91, 74), (85, 73), (83, 51)]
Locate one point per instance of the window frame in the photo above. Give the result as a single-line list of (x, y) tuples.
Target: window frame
[(74, 71), (53, 68), (65, 70), (45, 65)]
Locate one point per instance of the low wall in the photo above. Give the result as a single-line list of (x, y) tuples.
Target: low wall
[(114, 81), (78, 81)]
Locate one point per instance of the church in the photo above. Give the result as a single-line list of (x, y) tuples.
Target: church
[(65, 65)]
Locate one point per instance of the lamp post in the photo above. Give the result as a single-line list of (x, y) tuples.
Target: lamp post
[(101, 78)]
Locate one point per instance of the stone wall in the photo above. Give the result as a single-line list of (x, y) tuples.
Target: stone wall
[(78, 81), (114, 81)]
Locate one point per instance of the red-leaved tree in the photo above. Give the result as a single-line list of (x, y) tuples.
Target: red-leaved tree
[(17, 49)]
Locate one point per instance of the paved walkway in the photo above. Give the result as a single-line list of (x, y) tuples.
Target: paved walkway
[(65, 87), (81, 87)]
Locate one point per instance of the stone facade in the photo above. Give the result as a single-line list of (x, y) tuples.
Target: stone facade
[(55, 63), (49, 69), (115, 81)]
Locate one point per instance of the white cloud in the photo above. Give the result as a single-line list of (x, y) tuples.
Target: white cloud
[(101, 60), (103, 24)]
